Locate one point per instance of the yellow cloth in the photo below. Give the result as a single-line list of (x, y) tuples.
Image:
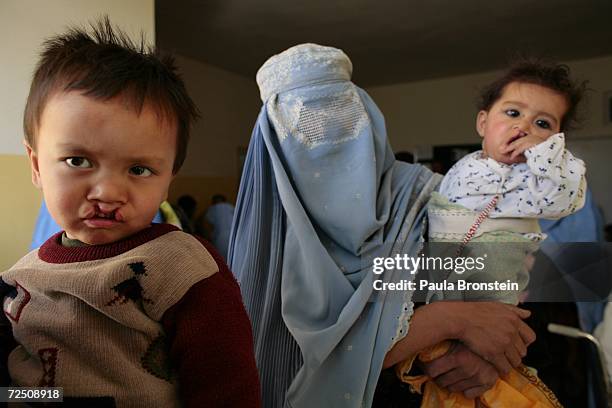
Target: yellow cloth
[(521, 388), (169, 215)]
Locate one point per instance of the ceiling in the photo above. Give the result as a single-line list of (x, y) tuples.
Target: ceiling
[(388, 41)]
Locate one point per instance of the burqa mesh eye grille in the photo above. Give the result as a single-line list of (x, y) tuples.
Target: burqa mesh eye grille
[(330, 120)]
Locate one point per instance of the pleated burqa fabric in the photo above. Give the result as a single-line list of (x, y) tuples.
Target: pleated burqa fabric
[(321, 196)]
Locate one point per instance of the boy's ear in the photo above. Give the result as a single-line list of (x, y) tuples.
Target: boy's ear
[(481, 122), (33, 164)]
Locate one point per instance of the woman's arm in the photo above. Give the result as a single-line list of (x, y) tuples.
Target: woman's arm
[(493, 330), (426, 329)]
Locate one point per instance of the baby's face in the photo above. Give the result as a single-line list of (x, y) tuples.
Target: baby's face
[(522, 110), (103, 168)]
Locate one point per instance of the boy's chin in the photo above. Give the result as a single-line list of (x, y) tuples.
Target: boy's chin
[(97, 237)]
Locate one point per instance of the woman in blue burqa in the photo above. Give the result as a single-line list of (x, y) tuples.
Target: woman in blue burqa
[(321, 197)]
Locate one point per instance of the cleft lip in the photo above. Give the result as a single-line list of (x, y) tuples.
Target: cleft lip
[(105, 214), (98, 219), (115, 215), (97, 213)]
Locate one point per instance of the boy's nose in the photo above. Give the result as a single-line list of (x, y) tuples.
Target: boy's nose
[(108, 192)]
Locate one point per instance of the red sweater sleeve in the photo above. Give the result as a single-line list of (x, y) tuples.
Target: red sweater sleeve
[(211, 343)]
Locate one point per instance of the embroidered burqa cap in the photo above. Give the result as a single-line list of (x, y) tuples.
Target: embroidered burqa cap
[(301, 65)]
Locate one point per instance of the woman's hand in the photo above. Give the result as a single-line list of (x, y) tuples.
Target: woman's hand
[(495, 331), (460, 370)]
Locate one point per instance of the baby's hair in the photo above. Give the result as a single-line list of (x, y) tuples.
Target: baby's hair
[(539, 72), (103, 63)]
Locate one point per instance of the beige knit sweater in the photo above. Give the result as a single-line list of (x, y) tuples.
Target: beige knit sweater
[(93, 327)]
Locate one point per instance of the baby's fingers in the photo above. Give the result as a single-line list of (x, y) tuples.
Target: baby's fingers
[(519, 149)]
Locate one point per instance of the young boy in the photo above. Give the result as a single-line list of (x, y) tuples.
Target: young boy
[(115, 310), (494, 196)]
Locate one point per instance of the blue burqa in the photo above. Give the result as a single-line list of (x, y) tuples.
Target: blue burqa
[(321, 196)]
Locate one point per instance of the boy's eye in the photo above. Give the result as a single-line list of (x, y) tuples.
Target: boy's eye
[(544, 124), (79, 162), (140, 171), (512, 113)]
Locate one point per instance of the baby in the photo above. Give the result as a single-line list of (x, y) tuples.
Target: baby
[(489, 203), (115, 310), (522, 173)]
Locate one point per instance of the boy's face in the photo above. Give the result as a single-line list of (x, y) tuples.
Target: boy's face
[(523, 110), (103, 169)]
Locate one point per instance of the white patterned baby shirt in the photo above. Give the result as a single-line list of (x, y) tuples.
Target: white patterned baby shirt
[(551, 184)]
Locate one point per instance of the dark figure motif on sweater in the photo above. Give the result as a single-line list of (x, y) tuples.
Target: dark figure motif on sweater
[(130, 289)]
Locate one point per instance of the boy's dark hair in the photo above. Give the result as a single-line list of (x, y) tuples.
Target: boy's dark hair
[(539, 72), (104, 64)]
